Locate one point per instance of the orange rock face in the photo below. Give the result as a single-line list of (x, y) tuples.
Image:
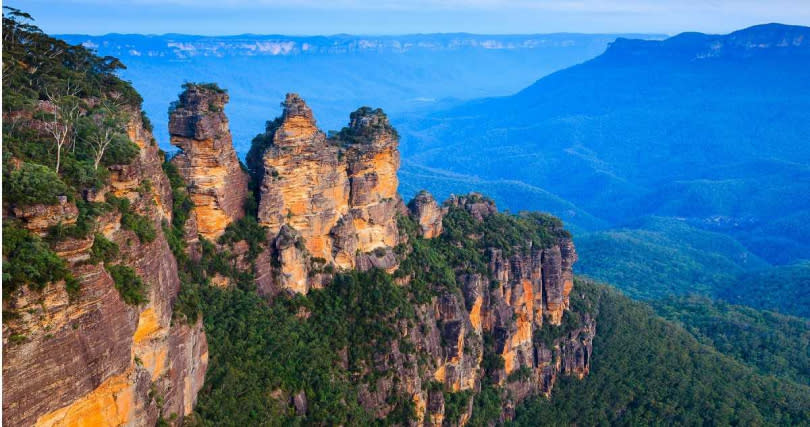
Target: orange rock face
[(338, 194), (216, 182), (507, 305), (92, 359), (428, 214)]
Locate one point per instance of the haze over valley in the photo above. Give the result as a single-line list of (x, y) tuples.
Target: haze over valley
[(417, 229)]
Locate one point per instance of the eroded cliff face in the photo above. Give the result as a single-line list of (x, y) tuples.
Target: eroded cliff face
[(337, 196), (427, 213), (91, 358), (510, 312), (330, 204), (493, 309), (208, 163)]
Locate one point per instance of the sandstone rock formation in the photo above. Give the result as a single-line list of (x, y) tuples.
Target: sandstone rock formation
[(208, 163), (521, 293), (327, 204), (338, 194), (92, 359), (427, 213)]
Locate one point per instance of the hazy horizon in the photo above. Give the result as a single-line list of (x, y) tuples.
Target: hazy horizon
[(393, 17)]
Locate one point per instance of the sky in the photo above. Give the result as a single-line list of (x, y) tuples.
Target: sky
[(316, 17)]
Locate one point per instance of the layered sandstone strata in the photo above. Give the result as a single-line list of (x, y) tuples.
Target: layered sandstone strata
[(207, 161), (92, 359)]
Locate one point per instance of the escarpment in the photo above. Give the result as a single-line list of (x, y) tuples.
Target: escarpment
[(82, 351), (207, 161), (403, 313), (501, 324), (489, 292)]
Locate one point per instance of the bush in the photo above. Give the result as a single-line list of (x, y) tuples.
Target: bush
[(34, 184), (128, 283), (29, 261), (122, 151), (103, 250), (141, 225), (455, 404)]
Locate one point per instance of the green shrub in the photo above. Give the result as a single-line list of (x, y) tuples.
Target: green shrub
[(103, 250), (128, 283), (130, 220), (34, 184), (121, 151), (455, 404), (28, 261), (141, 225), (246, 229)]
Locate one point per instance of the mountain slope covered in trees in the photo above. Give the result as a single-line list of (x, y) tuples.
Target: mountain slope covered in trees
[(647, 370)]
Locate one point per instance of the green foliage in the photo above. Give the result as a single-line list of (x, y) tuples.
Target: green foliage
[(147, 124), (377, 124), (774, 344), (646, 370), (28, 261), (521, 374), (54, 140), (257, 347), (34, 61), (455, 404), (464, 247), (487, 406), (783, 289), (85, 222), (258, 146), (33, 184), (128, 283), (213, 87), (663, 257), (130, 220), (246, 229), (103, 250)]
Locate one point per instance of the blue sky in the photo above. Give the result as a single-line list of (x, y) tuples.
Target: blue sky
[(302, 17)]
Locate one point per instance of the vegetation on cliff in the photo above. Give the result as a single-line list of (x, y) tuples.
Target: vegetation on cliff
[(324, 348), (64, 115)]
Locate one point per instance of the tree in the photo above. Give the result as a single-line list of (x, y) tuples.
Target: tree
[(65, 109), (106, 125)]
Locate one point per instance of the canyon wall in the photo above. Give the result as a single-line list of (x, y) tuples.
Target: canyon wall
[(90, 358), (325, 204)]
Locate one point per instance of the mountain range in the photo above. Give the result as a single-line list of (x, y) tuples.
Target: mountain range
[(338, 73), (706, 133)]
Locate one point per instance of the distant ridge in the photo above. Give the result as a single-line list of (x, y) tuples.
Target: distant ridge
[(185, 45), (709, 129), (767, 39)]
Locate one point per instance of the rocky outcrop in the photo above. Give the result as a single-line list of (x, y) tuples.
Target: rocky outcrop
[(522, 294), (427, 213), (493, 316), (207, 161), (338, 194), (511, 311), (91, 358), (39, 218)]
